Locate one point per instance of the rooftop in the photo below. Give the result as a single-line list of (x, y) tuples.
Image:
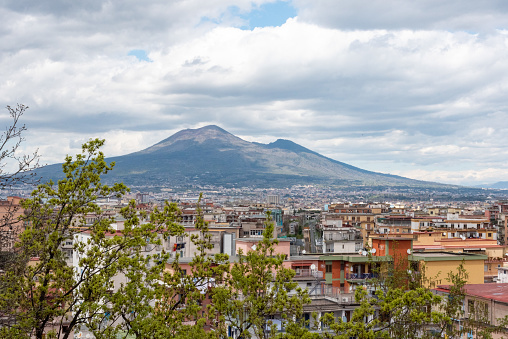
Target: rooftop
[(497, 292), (443, 256)]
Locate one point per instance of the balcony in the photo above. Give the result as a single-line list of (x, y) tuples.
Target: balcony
[(360, 276), (308, 273), (342, 237), (328, 291)]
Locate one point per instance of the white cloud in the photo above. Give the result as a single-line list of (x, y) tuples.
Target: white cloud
[(401, 93)]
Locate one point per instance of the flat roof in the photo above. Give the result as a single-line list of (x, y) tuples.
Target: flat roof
[(443, 256), (409, 237)]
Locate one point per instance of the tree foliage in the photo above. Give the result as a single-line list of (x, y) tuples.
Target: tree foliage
[(16, 168), (257, 289), (21, 166), (45, 295)]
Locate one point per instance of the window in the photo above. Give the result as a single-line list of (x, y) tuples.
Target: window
[(328, 268), (478, 310), (489, 235)]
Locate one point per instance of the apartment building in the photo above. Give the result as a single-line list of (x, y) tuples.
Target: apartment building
[(361, 216), (338, 237)]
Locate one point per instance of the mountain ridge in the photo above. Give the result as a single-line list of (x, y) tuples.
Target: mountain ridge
[(211, 155)]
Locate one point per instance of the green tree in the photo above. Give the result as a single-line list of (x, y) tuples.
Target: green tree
[(166, 301), (15, 168), (256, 289), (395, 304), (43, 294)]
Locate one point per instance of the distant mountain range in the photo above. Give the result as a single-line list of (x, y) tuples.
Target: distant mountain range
[(497, 185), (213, 156)]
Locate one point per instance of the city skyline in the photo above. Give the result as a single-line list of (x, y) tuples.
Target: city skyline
[(410, 89)]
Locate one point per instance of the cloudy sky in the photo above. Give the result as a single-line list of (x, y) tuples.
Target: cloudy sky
[(415, 88)]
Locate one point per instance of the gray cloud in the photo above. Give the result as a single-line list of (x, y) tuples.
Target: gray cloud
[(409, 90), (399, 14)]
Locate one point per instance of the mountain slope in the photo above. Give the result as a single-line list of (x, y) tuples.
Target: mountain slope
[(211, 155)]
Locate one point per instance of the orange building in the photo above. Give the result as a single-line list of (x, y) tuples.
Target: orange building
[(345, 271)]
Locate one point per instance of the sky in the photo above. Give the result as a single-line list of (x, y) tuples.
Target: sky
[(413, 88)]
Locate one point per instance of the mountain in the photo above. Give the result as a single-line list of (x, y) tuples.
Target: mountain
[(211, 155)]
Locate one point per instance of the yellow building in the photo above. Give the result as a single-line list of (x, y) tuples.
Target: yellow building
[(437, 265)]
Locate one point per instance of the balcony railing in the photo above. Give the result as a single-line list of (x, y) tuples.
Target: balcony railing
[(332, 292), (342, 237), (302, 273), (360, 276)]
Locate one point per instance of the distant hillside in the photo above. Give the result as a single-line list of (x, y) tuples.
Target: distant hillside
[(497, 185), (211, 155)]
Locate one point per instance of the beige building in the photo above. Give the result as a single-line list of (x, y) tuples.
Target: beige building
[(485, 304)]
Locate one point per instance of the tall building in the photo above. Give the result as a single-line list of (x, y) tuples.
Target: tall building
[(273, 199)]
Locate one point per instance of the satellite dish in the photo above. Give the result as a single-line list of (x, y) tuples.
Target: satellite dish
[(408, 251), (304, 251), (313, 267), (360, 252), (253, 247), (373, 250), (364, 253), (463, 237)]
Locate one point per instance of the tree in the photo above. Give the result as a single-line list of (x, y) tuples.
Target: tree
[(166, 301), (20, 166), (397, 304), (46, 296), (256, 289), (15, 169)]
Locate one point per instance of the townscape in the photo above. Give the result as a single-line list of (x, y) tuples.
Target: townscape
[(329, 259)]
